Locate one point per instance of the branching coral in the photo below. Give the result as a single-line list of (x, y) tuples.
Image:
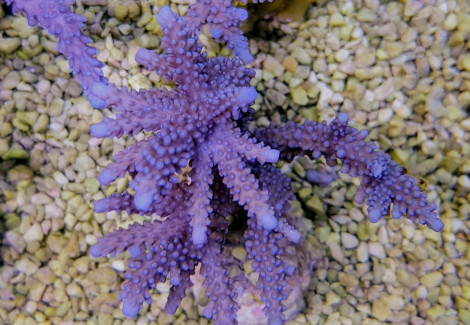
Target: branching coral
[(197, 126)]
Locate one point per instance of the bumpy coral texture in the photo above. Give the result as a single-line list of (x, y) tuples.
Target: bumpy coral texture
[(205, 174), (224, 21), (383, 181)]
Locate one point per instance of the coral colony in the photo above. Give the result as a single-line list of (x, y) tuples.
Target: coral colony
[(205, 174)]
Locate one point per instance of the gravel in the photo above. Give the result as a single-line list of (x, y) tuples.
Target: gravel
[(399, 69)]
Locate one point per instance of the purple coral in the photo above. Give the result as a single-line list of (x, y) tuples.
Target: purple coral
[(383, 181), (224, 20), (198, 128), (230, 181)]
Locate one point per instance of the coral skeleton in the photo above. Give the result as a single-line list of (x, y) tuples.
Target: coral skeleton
[(199, 128)]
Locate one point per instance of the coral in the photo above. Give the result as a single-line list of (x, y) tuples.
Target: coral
[(199, 127), (224, 21), (383, 181)]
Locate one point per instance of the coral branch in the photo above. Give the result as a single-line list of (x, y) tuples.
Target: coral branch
[(383, 180)]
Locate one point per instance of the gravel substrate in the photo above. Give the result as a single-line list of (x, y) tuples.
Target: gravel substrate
[(401, 69)]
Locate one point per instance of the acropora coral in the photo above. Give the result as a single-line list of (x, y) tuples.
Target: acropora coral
[(199, 128)]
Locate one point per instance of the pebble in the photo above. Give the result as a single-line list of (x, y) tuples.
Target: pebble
[(82, 264), (26, 266), (464, 315), (451, 22), (341, 55), (465, 61), (56, 107), (394, 49), (337, 20), (42, 123), (290, 64), (429, 147), (118, 266), (92, 185), (74, 290), (54, 211), (125, 29), (36, 291), (435, 312), (29, 118), (295, 82), (464, 182), (34, 233), (381, 311), (319, 65), (9, 44), (11, 80), (364, 57), (102, 275), (16, 241), (400, 109), (432, 279), (377, 250), (385, 115), (349, 280), (239, 253), (299, 96), (365, 15), (301, 55), (325, 95), (19, 173), (336, 251), (362, 252), (385, 90), (45, 275), (276, 97), (272, 65), (332, 298), (349, 240), (84, 163)]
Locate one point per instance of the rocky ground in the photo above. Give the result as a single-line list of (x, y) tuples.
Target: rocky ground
[(399, 68)]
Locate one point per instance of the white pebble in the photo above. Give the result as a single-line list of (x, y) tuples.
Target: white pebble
[(341, 55), (385, 115), (118, 266), (377, 250), (349, 240)]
